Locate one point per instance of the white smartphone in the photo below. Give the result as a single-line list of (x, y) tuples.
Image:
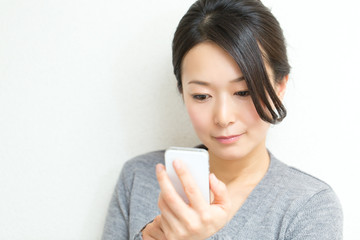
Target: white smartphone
[(197, 161)]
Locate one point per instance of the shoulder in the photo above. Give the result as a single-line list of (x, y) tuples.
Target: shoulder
[(310, 204), (297, 182), (310, 192), (141, 167), (144, 161), (301, 190)]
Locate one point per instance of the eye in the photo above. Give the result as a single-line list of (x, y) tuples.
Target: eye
[(243, 93), (200, 97)]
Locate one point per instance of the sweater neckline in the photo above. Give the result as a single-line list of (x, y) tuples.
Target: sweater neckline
[(254, 201), (256, 197)]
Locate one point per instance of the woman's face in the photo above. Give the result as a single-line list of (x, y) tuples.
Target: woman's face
[(219, 105)]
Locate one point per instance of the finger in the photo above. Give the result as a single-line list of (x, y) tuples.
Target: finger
[(153, 230), (165, 226), (157, 232), (169, 194), (211, 196), (167, 214), (169, 231), (191, 189), (147, 237), (218, 188), (150, 232)]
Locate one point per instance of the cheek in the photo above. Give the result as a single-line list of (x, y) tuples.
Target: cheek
[(252, 119), (197, 117), (248, 114)]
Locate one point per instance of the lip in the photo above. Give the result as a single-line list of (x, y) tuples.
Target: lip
[(228, 139)]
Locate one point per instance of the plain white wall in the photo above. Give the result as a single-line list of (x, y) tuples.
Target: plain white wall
[(86, 85)]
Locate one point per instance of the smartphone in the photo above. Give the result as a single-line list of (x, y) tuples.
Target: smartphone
[(197, 161)]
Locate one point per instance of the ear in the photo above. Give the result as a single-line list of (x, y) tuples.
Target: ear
[(281, 87)]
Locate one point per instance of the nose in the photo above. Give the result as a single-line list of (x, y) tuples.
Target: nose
[(224, 114)]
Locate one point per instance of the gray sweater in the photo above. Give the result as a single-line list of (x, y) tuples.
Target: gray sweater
[(286, 204)]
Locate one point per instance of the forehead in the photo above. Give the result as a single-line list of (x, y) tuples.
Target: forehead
[(209, 62)]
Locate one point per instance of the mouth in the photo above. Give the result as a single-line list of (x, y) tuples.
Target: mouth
[(228, 139)]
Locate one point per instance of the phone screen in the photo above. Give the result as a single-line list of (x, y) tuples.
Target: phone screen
[(197, 161)]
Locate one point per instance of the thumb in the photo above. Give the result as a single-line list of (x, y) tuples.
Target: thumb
[(218, 188)]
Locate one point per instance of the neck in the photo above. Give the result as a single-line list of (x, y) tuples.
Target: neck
[(249, 170)]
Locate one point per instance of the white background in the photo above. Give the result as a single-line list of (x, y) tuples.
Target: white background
[(86, 85)]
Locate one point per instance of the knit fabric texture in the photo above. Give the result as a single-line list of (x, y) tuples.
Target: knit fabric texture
[(286, 204)]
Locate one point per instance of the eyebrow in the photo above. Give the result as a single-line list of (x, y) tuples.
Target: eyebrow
[(203, 83)]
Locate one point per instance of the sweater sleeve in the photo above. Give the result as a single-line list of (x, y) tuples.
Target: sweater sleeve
[(117, 220), (319, 218), (116, 223)]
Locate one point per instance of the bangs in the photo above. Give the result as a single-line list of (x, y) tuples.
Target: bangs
[(248, 33)]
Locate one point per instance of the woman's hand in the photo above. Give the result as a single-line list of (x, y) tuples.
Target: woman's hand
[(153, 230), (198, 220)]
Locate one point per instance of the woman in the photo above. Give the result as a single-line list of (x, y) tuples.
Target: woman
[(230, 61)]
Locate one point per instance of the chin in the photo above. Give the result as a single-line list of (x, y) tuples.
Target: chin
[(232, 155), (227, 152)]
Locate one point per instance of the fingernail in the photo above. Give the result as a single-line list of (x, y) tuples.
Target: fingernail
[(159, 168), (214, 178), (177, 164)]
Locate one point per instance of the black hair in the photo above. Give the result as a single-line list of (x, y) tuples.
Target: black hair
[(249, 32)]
